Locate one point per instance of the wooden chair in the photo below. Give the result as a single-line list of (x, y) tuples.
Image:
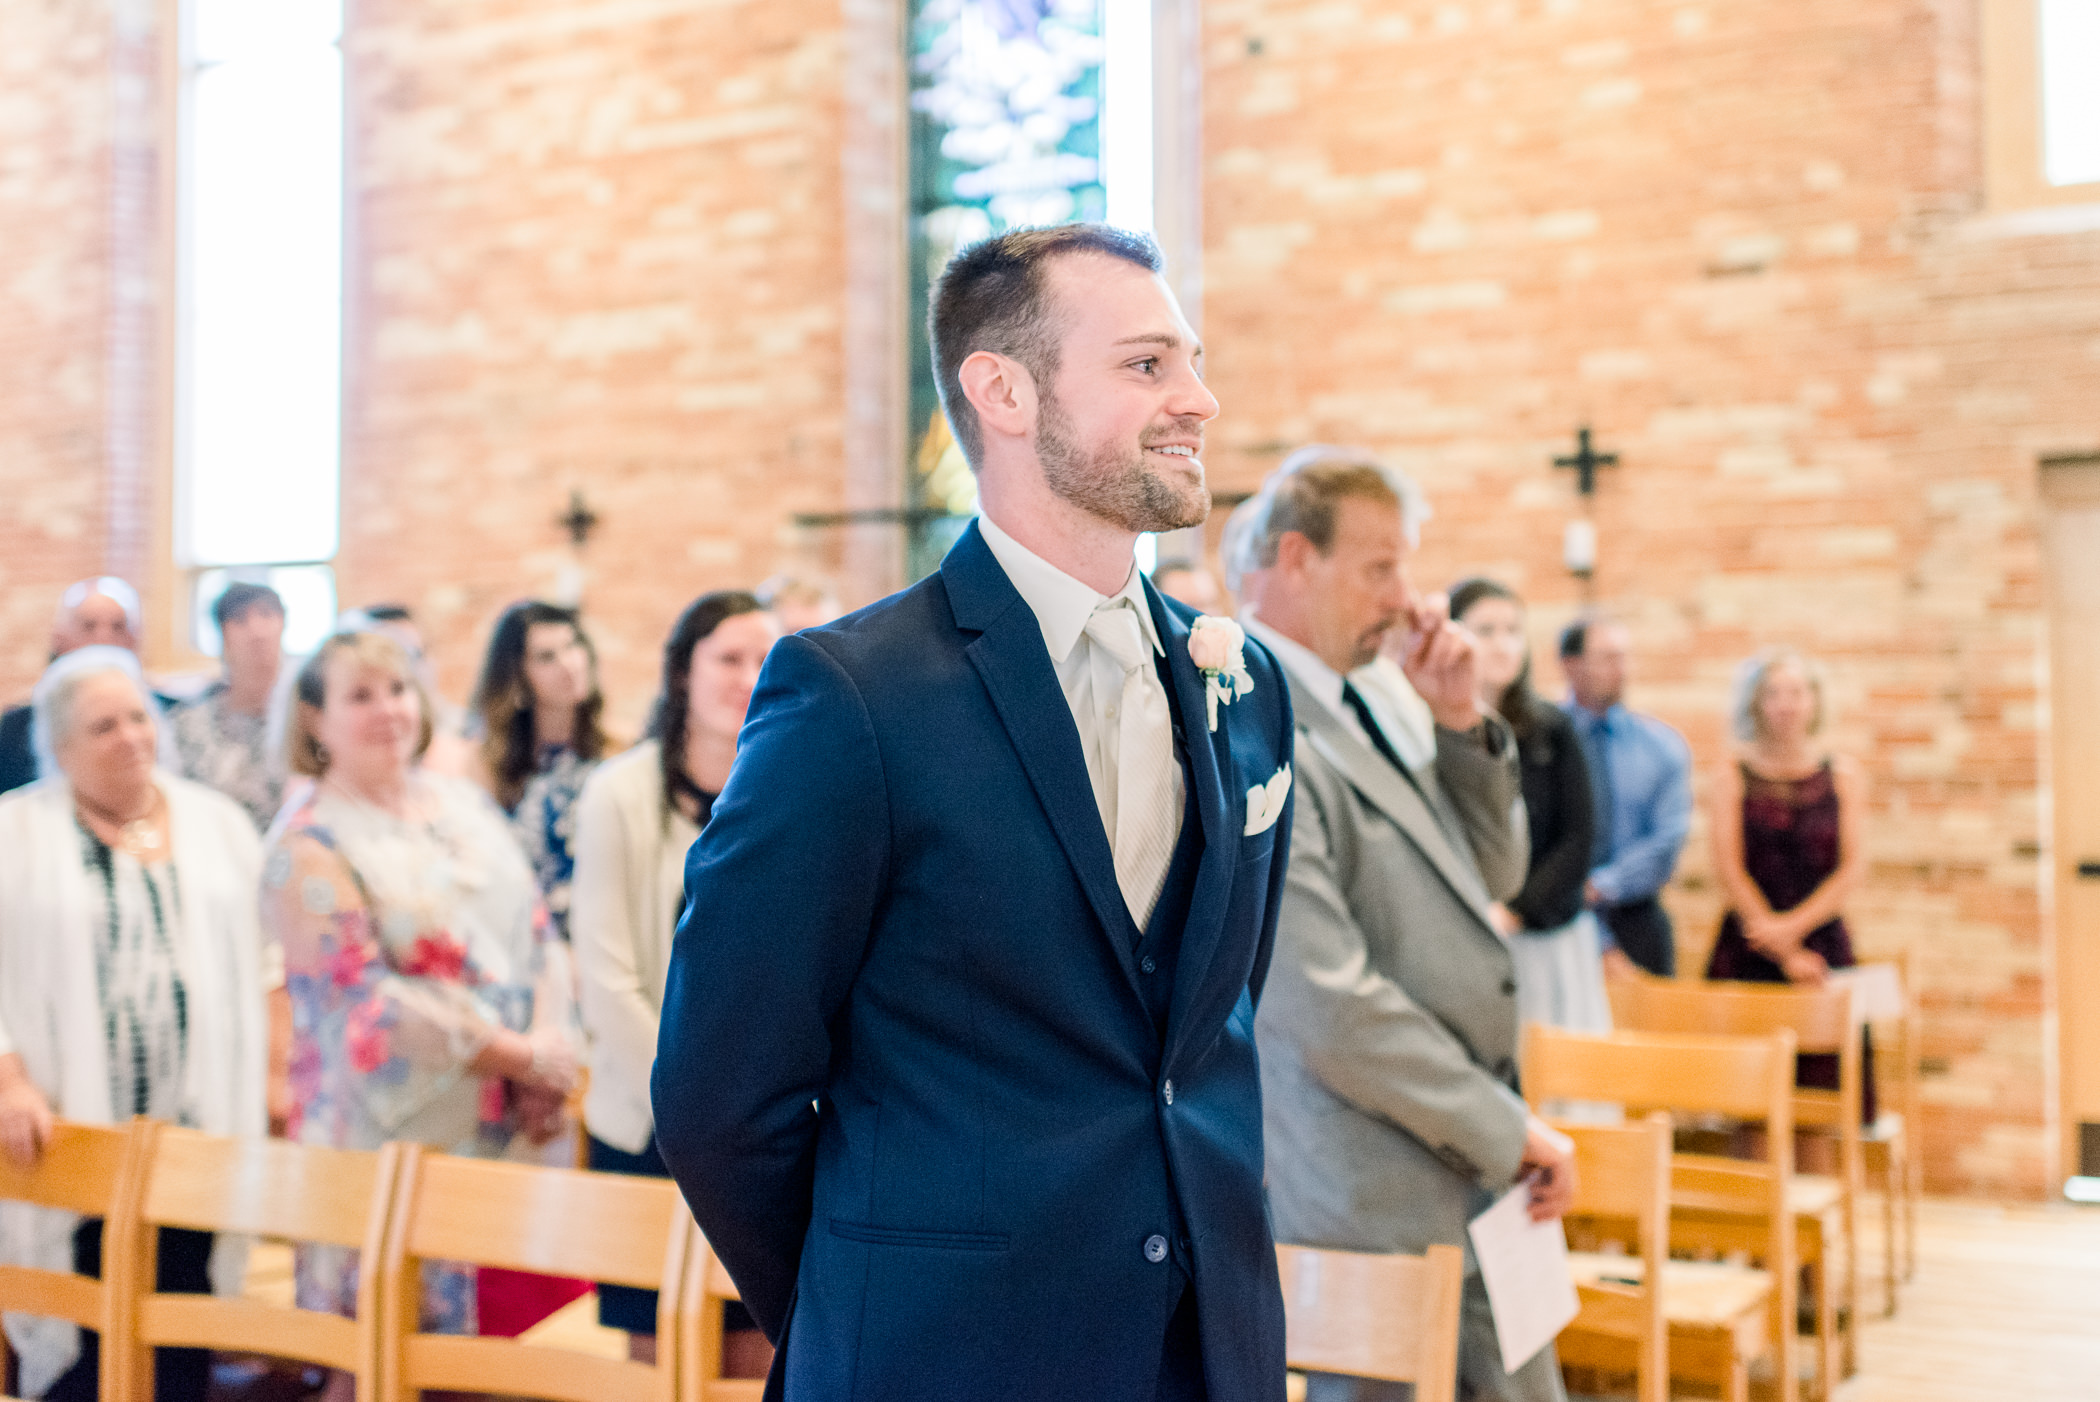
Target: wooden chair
[(1889, 1145), (1825, 1207), (554, 1221), (1720, 1316), (706, 1288), (88, 1169), (1622, 1194), (1393, 1318), (264, 1188)]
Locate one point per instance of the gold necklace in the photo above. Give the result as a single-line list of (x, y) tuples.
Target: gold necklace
[(136, 837)]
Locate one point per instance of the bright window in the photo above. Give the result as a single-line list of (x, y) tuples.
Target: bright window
[(259, 377), (2069, 31)]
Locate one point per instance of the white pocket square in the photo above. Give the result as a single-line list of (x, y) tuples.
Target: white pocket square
[(1265, 802)]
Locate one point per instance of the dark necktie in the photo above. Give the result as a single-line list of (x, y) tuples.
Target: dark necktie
[(1595, 732), (1354, 700)]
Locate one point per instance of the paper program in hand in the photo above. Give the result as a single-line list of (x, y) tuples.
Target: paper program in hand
[(1524, 1265)]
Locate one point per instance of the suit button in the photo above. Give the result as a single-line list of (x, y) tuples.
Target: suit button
[(1155, 1248), (1509, 988), (1147, 965), (1167, 1091)]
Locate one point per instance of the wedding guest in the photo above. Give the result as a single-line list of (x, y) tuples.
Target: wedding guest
[(1789, 830), (797, 603), (450, 751), (222, 735), (429, 1000), (1641, 789), (538, 708), (639, 813), (1190, 582), (1388, 1030), (1560, 971), (91, 613), (130, 982)]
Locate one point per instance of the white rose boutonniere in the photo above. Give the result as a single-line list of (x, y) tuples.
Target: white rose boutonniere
[(1219, 649)]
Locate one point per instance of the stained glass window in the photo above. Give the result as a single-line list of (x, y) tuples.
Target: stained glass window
[(1023, 112)]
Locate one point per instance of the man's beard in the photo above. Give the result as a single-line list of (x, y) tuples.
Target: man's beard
[(1120, 489)]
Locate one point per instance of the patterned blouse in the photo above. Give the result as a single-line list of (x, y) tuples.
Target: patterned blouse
[(226, 750), (545, 821), (145, 1006), (408, 943)]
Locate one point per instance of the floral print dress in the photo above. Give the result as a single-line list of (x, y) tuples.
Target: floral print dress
[(545, 821), (408, 944)]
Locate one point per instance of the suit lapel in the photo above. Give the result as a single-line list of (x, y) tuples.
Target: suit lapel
[(1373, 776), (1209, 759), (1010, 659)]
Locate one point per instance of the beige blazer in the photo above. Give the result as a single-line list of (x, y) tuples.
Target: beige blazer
[(1388, 1027), (624, 900)]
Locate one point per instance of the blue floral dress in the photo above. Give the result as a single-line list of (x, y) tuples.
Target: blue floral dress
[(545, 822), (408, 943)]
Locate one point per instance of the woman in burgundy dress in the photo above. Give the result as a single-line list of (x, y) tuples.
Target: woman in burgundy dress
[(1788, 820)]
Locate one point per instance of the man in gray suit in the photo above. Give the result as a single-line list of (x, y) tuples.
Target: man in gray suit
[(1388, 1034)]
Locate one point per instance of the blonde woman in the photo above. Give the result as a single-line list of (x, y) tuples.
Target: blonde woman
[(1788, 827), (428, 1001)]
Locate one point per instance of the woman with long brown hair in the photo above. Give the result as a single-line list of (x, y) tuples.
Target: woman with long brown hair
[(537, 709)]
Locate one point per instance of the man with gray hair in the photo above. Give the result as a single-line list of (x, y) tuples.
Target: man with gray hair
[(104, 610), (1388, 1035)]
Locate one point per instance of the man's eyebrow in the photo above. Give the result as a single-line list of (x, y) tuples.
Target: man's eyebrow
[(1166, 339)]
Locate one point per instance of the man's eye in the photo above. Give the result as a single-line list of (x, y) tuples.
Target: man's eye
[(1149, 365)]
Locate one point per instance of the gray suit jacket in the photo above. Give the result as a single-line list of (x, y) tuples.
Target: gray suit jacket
[(1388, 1033)]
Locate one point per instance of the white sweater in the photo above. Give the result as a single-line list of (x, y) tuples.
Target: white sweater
[(623, 909), (51, 1008)]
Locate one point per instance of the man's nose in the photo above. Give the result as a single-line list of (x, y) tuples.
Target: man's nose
[(1193, 399)]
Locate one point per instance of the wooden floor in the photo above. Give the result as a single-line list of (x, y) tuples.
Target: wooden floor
[(2005, 1307)]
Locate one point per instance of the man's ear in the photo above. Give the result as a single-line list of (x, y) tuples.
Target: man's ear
[(1002, 392), (1294, 552)]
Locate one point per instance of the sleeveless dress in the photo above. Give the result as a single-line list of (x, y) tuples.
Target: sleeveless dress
[(1790, 847)]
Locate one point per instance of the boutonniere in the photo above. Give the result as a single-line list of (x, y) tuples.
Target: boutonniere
[(1219, 650)]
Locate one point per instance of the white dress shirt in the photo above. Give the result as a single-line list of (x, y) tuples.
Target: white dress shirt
[(1402, 715), (1092, 679)]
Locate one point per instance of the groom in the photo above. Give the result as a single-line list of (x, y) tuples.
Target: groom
[(957, 1062)]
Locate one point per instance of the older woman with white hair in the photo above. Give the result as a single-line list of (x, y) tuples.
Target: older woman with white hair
[(130, 981)]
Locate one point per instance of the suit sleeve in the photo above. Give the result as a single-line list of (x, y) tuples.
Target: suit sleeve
[(1485, 789), (1362, 1036), (781, 891)]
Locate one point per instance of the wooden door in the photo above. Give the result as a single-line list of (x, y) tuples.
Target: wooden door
[(2071, 544)]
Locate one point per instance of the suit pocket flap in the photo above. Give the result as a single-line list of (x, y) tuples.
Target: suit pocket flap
[(937, 1241)]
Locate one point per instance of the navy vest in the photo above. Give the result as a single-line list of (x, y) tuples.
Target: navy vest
[(1158, 946)]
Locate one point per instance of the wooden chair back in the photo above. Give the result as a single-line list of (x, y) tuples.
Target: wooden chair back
[(88, 1169), (1393, 1318), (1622, 1193), (1821, 1020), (706, 1288), (1742, 1078), (263, 1188), (555, 1221)]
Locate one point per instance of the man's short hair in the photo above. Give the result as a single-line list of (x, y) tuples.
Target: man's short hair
[(1305, 495), (240, 598), (993, 296), (1575, 638), (106, 586)]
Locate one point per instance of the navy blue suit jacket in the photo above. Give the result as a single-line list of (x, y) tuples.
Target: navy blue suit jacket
[(906, 1077)]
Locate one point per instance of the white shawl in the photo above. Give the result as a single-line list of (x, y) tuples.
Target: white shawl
[(50, 1007)]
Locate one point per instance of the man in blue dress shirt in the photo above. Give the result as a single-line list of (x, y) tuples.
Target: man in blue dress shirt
[(1640, 781)]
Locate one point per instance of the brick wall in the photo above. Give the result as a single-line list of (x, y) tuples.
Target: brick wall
[(595, 245), (54, 222), (1743, 241)]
